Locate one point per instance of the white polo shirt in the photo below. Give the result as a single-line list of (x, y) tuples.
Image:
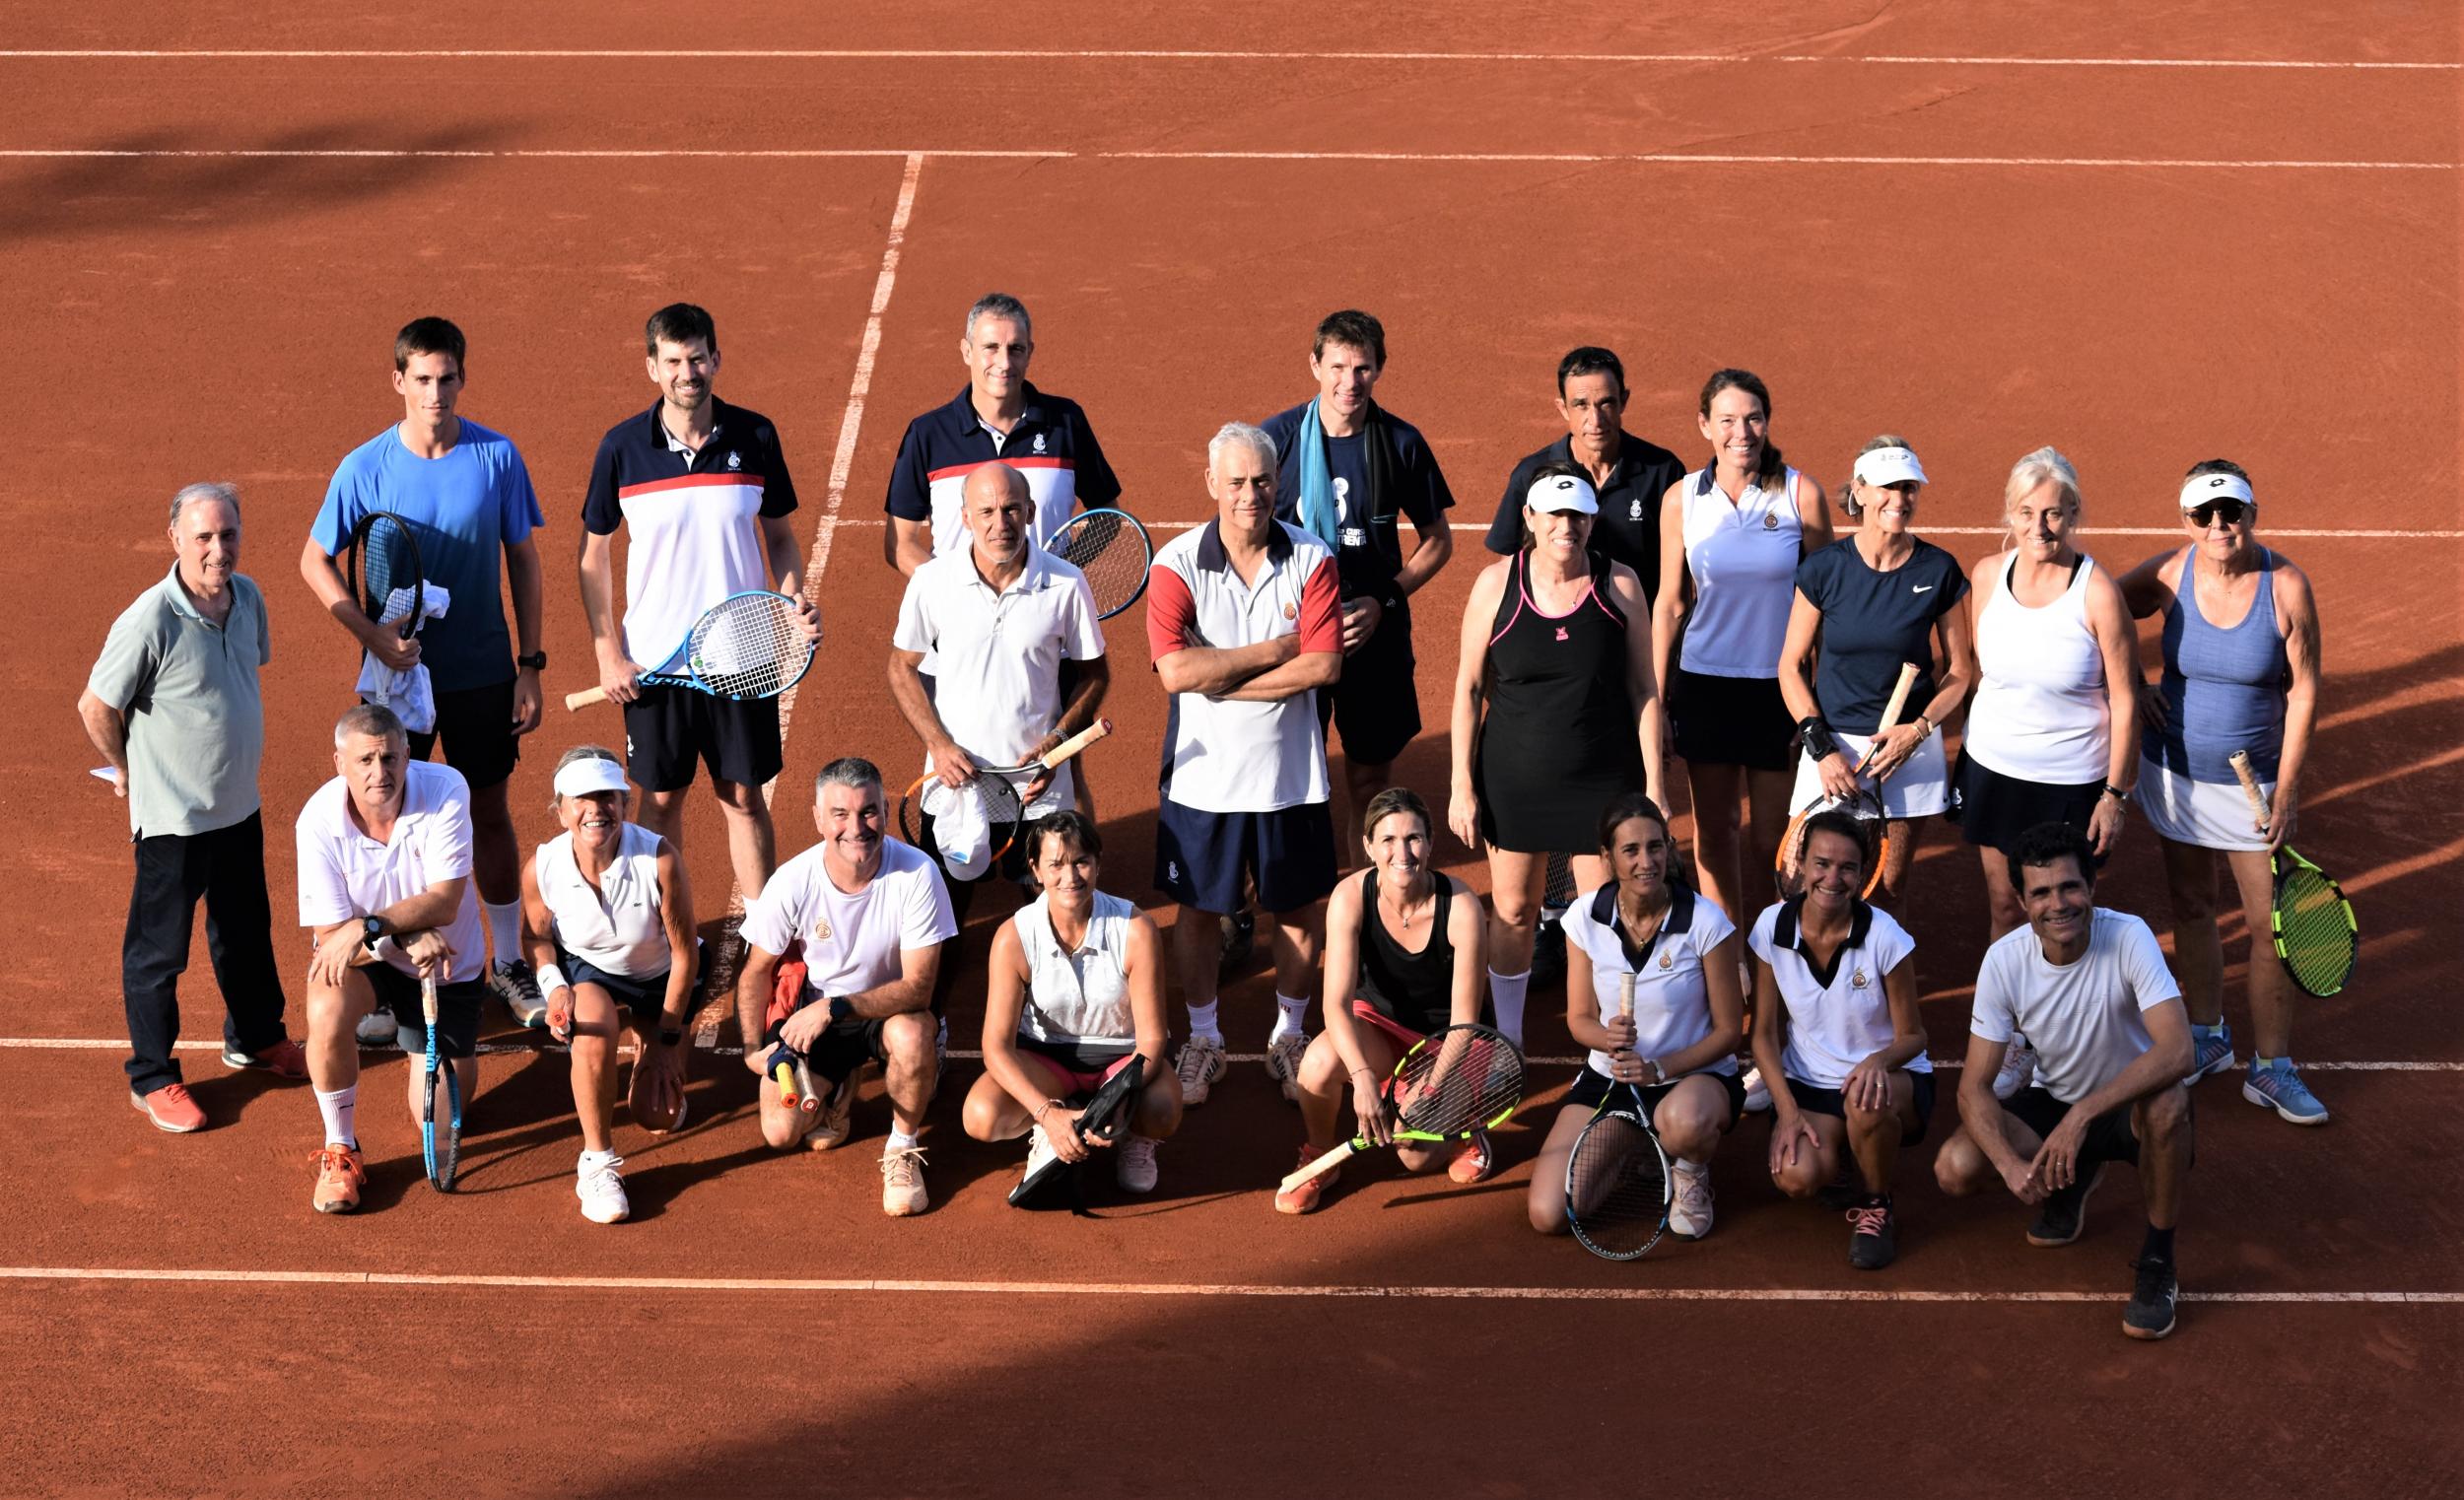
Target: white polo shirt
[(853, 939), (619, 925), (1837, 1016), (1672, 998), (344, 874), (1221, 755), (2082, 1017), (997, 653)]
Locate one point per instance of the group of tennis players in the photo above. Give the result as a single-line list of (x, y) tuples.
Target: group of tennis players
[(1786, 643)]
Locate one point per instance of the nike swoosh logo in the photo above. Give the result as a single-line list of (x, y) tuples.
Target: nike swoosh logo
[(1924, 589)]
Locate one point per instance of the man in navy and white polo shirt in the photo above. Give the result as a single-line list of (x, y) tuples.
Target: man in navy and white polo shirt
[(706, 492), (1244, 622), (1628, 473), (999, 415), (1345, 468)]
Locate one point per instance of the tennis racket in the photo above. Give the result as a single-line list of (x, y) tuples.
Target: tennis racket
[(1106, 1119), (1618, 1183), (443, 1154), (2316, 935), (1112, 549), (747, 645), (1864, 804), (1452, 1082), (994, 789), (794, 1078), (382, 567)]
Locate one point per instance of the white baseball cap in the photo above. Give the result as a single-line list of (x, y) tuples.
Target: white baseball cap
[(2199, 489), (592, 773), (1890, 465), (1562, 492)]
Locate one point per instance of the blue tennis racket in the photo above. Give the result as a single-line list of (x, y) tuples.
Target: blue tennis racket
[(747, 645), (443, 1156)]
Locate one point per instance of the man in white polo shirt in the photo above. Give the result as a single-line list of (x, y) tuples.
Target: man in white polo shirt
[(2089, 991), (385, 854), (1000, 616), (869, 915), (1246, 626)]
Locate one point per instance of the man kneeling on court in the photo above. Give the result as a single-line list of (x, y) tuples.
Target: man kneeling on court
[(2089, 989), (384, 853), (871, 913)]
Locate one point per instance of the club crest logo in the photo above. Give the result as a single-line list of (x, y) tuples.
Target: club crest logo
[(735, 462), (1634, 512), (821, 931), (1667, 960), (1291, 612), (1039, 443), (1856, 978), (1561, 634), (1770, 520)]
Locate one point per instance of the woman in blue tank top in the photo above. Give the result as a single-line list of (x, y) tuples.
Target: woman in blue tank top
[(2241, 652)]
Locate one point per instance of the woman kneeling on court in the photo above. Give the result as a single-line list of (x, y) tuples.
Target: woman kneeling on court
[(1076, 990), (608, 912), (1680, 1045), (1836, 1030), (1404, 955)]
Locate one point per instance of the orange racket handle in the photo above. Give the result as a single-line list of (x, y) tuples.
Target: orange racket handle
[(1333, 1158), (1892, 710), (1075, 743), (584, 698), (2251, 787)]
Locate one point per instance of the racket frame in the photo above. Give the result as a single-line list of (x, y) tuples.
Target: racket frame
[(1641, 1118), (1788, 866), (1137, 528), (911, 813), (2287, 864), (661, 677), (1471, 1032), (408, 626), (442, 1158)]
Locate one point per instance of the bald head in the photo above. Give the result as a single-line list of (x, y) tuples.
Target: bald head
[(995, 505)]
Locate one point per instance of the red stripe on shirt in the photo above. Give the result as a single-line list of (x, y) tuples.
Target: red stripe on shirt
[(1171, 612), (962, 470), (691, 482), (1321, 610)]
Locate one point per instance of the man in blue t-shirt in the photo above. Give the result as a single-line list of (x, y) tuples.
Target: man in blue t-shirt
[(466, 494)]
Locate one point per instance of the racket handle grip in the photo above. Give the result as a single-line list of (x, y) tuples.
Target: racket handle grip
[(783, 1074), (2250, 785), (1333, 1158), (584, 698), (1076, 742), (808, 1095), (1898, 698), (427, 1002)]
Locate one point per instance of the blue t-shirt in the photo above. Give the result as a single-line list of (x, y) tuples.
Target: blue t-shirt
[(1369, 551), (1872, 623), (464, 508)]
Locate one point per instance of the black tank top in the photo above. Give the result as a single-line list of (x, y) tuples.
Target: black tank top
[(1415, 990), (1559, 679)]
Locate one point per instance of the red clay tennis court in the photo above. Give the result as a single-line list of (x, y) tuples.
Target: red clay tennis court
[(2146, 236)]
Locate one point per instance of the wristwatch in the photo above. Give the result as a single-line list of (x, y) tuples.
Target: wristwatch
[(372, 928), (669, 1033), (2117, 793), (537, 661)]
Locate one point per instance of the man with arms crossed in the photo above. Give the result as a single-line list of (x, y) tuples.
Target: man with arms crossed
[(1243, 620), (2089, 989), (706, 492), (468, 496), (872, 914), (173, 704), (385, 851)]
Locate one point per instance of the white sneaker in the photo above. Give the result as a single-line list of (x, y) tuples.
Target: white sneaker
[(2018, 1070), (903, 1184), (1690, 1211), (602, 1190), (1202, 1063), (1134, 1164), (518, 986), (1283, 1055), (1757, 1093), (377, 1028), (1040, 1153)]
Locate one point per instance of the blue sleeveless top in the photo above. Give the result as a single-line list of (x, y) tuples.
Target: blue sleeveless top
[(2225, 688)]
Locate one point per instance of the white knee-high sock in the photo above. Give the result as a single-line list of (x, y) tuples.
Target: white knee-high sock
[(505, 930), (1505, 993)]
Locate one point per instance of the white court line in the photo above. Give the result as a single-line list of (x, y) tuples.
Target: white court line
[(1549, 158), (207, 1275), (1138, 54), (722, 979), (2311, 533)]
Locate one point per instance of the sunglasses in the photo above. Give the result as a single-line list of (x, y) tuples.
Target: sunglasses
[(2208, 513)]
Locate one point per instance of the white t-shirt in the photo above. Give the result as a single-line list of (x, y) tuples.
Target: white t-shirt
[(1080, 997), (1671, 999), (1836, 1017), (618, 928), (2082, 1018), (996, 655), (852, 940), (344, 874)]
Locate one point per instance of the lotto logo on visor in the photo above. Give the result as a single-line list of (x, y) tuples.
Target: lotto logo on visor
[(1564, 493), (2203, 489)]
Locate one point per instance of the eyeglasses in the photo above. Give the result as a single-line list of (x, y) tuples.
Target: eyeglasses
[(2208, 513)]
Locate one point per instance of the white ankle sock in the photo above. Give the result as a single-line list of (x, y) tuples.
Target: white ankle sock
[(1202, 1022), (1506, 993), (504, 930), (1290, 1014), (340, 1110), (900, 1140)]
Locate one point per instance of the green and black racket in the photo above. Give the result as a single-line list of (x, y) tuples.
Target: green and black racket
[(2316, 935), (1452, 1082), (1618, 1183)]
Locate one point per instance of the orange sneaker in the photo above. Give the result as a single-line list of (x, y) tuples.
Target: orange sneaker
[(1474, 1160), (339, 1176), (1304, 1198), (171, 1108)]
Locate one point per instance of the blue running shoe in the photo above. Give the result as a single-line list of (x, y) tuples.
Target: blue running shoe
[(2211, 1052), (2279, 1087)]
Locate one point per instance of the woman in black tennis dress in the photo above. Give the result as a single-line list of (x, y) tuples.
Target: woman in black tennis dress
[(1555, 712)]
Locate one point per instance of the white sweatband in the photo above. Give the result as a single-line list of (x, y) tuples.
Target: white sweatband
[(2199, 489), (551, 980)]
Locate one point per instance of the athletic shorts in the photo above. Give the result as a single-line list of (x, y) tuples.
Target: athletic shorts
[(645, 998), (1592, 1086), (1396, 1032), (1993, 809), (1815, 1099), (2110, 1136), (842, 1048), (476, 727), (1204, 858), (1731, 720), (1086, 1064), (1919, 789), (667, 729), (2201, 814), (1375, 706), (458, 1012)]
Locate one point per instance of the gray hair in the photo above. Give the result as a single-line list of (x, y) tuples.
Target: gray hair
[(227, 494), (373, 719), (1001, 304), (847, 771), (1252, 437), (2046, 465)]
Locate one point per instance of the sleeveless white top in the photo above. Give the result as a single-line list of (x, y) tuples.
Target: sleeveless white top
[(1080, 996), (617, 927), (1743, 560), (2040, 713)]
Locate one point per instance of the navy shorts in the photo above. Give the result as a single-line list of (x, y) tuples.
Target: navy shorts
[(667, 730), (645, 998), (2110, 1136), (1201, 859), (1375, 706), (842, 1048), (458, 1012), (1592, 1086), (476, 727), (1815, 1099)]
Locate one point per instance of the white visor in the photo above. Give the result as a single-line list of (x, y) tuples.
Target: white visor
[(583, 777), (1890, 465), (1562, 492), (2199, 489)]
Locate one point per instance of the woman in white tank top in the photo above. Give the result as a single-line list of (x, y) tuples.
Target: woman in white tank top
[(2051, 733), (1076, 990), (606, 913)]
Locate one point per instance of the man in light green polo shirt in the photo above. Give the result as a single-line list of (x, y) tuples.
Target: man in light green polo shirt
[(173, 704)]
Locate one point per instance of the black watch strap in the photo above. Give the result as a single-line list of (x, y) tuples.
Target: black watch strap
[(537, 661)]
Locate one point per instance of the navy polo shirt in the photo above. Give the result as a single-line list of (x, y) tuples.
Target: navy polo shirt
[(1369, 551), (1052, 444)]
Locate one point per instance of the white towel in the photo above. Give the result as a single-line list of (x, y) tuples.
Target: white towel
[(958, 827), (408, 694)]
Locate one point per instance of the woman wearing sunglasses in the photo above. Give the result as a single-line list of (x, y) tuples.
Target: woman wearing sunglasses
[(2241, 651)]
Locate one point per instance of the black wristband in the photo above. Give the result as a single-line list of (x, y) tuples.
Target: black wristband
[(1819, 742), (2117, 793)]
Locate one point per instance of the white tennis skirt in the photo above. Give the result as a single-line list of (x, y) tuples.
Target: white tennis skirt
[(2201, 814), (1919, 789)]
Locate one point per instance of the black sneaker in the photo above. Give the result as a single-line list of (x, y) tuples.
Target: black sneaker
[(2153, 1290), (2059, 1217), (1874, 1238)]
